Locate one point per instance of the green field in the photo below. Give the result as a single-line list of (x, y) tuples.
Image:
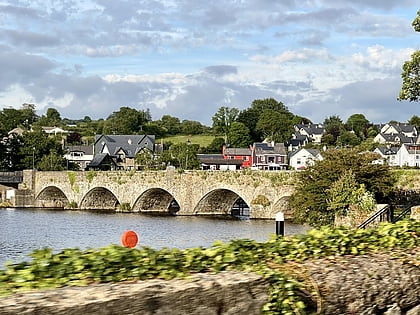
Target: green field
[(202, 140)]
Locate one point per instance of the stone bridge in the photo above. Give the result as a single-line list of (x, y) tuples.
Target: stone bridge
[(163, 192)]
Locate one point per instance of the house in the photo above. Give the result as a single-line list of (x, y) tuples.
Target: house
[(102, 162), (388, 155), (53, 130), (398, 128), (302, 158), (297, 141), (81, 155), (408, 155), (313, 131), (217, 162), (123, 148), (242, 154), (267, 156), (394, 139)]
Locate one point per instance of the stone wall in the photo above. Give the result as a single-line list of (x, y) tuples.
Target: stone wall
[(195, 191), (371, 284)]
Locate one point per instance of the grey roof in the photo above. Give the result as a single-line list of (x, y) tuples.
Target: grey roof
[(265, 148), (388, 150), (400, 137), (210, 156), (86, 149), (98, 159), (130, 144), (313, 152), (238, 151), (220, 161)]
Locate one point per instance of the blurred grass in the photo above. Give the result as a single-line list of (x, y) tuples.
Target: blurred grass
[(202, 140)]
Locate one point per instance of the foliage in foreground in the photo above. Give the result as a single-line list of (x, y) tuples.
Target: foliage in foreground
[(73, 267)]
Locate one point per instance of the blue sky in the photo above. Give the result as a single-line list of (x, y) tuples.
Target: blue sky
[(187, 58)]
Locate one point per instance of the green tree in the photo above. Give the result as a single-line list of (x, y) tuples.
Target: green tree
[(36, 144), (251, 116), (358, 124), (333, 128), (346, 195), (238, 135), (52, 162), (215, 146), (52, 118), (410, 89), (415, 121), (310, 201), (126, 121), (145, 159), (348, 139), (171, 124), (276, 126), (223, 119), (191, 127), (185, 155)]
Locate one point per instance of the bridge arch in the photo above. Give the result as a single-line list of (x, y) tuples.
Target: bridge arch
[(222, 202), (51, 197), (99, 198), (156, 200)]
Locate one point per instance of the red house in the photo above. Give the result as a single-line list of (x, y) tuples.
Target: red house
[(238, 154)]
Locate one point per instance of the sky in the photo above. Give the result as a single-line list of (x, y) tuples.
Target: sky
[(188, 58)]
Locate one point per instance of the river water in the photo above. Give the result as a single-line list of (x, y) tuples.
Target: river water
[(24, 230)]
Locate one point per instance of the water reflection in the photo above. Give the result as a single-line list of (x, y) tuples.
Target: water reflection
[(24, 230)]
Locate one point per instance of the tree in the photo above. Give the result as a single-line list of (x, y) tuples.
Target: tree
[(74, 138), (275, 126), (348, 139), (358, 124), (223, 120), (126, 121), (145, 159), (36, 144), (191, 127), (410, 89), (415, 121), (309, 200), (52, 162), (171, 124), (333, 128), (238, 135), (52, 118), (251, 116), (215, 146), (185, 155)]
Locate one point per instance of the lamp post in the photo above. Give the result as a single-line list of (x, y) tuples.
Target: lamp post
[(186, 157), (33, 158)]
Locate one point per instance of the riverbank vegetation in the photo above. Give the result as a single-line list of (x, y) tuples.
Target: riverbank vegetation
[(346, 182), (289, 293)]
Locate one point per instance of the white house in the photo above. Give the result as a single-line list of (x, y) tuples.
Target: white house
[(82, 155), (388, 155), (409, 155), (302, 158)]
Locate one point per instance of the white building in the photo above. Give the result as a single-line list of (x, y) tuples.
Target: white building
[(302, 158)]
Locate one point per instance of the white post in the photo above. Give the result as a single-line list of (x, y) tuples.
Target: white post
[(280, 223)]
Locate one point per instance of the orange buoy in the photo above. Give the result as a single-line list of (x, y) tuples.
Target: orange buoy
[(129, 239)]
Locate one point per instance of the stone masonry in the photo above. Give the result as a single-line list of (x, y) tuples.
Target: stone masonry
[(196, 192)]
